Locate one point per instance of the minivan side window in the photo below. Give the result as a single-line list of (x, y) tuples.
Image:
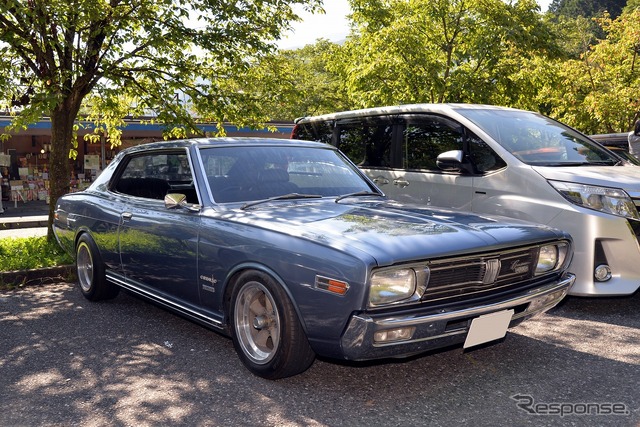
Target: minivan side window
[(424, 138), (482, 156), (366, 143), (314, 131)]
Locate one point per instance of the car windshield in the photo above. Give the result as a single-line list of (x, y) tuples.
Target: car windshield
[(249, 173), (538, 140), (624, 155)]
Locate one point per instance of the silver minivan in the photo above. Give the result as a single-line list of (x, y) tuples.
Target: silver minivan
[(504, 161)]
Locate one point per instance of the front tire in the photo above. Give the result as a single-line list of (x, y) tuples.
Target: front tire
[(266, 331), (91, 273)]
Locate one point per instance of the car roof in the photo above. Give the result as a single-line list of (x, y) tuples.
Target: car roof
[(402, 109), (225, 142)]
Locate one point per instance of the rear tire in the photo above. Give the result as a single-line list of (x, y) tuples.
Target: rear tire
[(91, 272), (266, 331)]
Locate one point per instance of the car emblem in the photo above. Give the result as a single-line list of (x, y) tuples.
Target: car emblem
[(492, 269)]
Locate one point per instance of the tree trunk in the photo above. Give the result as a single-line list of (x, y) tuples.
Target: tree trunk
[(59, 169)]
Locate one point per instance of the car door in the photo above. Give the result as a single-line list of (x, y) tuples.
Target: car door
[(158, 245), (367, 141), (421, 139)]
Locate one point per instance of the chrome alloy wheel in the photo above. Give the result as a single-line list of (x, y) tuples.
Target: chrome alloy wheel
[(257, 322), (84, 262)]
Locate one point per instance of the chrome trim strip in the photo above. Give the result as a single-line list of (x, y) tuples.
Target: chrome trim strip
[(358, 341), (476, 311), (167, 303), (482, 256)]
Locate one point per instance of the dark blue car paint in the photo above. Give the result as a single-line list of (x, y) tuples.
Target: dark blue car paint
[(186, 259)]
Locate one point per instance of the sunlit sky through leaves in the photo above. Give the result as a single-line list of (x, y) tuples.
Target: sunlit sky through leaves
[(332, 25)]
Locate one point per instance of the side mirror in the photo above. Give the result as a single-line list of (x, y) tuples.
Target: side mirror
[(179, 200), (450, 161)]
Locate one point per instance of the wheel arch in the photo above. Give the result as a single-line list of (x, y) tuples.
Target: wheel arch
[(232, 279), (79, 233)]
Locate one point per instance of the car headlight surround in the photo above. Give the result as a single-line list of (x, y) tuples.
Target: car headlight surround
[(551, 257), (610, 200), (397, 285)]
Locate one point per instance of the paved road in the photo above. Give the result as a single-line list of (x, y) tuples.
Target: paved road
[(65, 361), (23, 232)]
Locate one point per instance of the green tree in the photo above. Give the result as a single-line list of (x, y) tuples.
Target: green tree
[(587, 8), (583, 11), (60, 58), (295, 83), (600, 91), (408, 51), (631, 5)]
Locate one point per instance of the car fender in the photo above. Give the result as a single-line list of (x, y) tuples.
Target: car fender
[(227, 287)]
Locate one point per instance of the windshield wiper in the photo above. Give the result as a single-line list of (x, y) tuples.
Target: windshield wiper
[(289, 196), (604, 162), (573, 164), (357, 194)]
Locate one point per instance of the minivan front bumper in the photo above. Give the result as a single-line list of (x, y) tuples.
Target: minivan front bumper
[(602, 239), (443, 328)]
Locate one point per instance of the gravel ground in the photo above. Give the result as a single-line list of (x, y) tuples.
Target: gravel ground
[(65, 361)]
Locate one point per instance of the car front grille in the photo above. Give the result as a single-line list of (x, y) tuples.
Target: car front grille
[(635, 225), (468, 277)]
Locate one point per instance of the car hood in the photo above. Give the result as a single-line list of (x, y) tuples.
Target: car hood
[(626, 177), (391, 232)]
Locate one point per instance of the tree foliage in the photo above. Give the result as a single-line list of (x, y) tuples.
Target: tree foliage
[(587, 8), (444, 50), (106, 57), (511, 54), (600, 91), (295, 83), (631, 5)]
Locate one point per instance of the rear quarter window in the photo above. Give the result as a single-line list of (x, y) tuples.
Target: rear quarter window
[(313, 131), (367, 144)]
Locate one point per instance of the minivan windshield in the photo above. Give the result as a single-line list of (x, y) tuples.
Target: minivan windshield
[(538, 140)]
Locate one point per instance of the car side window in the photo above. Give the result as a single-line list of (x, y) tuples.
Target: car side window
[(424, 138), (314, 131), (154, 175), (367, 143), (482, 156)]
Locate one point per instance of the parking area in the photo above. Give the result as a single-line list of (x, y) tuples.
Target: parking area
[(66, 361)]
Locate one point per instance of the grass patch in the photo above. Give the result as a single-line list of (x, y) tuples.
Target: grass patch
[(30, 253)]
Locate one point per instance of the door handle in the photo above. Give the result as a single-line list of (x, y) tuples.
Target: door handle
[(380, 180), (401, 182), (126, 215)]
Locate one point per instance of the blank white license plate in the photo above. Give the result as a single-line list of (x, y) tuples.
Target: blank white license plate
[(488, 327)]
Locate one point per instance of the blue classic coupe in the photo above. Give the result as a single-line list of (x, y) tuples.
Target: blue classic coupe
[(288, 248)]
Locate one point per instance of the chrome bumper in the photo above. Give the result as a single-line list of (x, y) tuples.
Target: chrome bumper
[(443, 328)]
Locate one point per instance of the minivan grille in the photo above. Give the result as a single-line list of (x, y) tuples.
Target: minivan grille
[(635, 225), (471, 277)]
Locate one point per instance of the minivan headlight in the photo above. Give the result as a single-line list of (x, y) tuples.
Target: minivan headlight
[(614, 201), (551, 257), (389, 286)]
